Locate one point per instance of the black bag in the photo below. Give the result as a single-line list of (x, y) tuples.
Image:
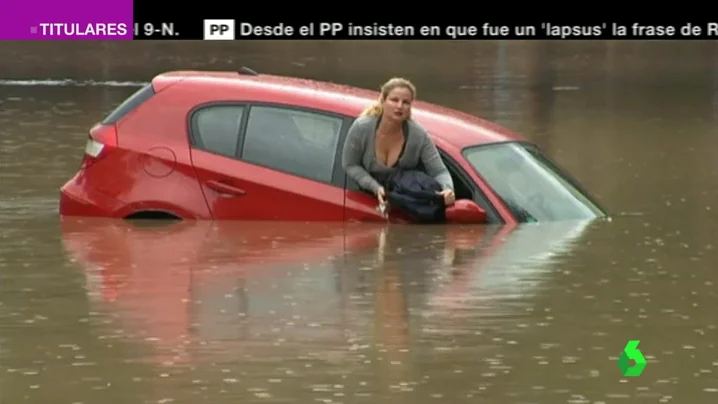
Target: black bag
[(415, 193)]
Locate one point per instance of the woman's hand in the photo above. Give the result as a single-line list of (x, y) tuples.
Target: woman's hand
[(449, 197), (381, 195)]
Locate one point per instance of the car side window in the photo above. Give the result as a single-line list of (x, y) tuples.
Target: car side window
[(463, 189), (216, 129), (295, 141)]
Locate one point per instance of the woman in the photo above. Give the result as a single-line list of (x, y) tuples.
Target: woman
[(385, 138)]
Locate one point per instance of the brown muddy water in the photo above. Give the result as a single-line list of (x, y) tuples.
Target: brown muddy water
[(104, 311)]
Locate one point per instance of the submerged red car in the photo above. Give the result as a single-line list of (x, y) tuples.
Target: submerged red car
[(248, 146)]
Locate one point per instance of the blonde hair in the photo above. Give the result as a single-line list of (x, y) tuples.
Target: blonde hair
[(377, 109)]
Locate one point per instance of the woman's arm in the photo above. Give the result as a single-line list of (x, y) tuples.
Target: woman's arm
[(354, 152), (433, 164)]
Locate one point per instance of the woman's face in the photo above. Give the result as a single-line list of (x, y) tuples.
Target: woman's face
[(397, 105)]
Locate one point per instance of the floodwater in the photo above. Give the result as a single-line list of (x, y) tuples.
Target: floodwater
[(96, 310)]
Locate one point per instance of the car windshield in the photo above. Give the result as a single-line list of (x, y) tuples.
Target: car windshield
[(528, 182)]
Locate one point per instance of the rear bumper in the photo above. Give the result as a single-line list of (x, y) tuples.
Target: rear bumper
[(79, 199)]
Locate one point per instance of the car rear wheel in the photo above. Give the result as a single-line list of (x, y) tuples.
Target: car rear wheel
[(152, 215)]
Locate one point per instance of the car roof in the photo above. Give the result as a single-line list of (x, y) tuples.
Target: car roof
[(452, 126)]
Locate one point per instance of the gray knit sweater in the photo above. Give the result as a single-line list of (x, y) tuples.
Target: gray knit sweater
[(360, 162)]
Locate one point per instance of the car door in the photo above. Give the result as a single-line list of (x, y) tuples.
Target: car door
[(268, 162), (360, 206)]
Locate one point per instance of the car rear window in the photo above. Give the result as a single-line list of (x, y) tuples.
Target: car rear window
[(138, 98)]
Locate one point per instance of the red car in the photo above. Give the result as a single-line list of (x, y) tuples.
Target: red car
[(248, 146)]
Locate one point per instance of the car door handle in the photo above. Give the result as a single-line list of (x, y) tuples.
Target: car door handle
[(225, 189)]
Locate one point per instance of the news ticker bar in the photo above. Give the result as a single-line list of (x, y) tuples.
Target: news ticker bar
[(229, 29), (127, 20)]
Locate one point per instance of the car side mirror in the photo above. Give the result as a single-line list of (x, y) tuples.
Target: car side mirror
[(465, 211)]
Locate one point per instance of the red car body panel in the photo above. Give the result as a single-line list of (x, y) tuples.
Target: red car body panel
[(149, 165), (263, 194)]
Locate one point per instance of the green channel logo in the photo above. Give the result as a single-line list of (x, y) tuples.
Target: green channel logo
[(631, 353)]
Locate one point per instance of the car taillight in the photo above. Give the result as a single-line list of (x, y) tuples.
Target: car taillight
[(101, 141)]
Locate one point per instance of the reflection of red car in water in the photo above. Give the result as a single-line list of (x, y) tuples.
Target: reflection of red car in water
[(163, 279), (247, 146), (234, 286)]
